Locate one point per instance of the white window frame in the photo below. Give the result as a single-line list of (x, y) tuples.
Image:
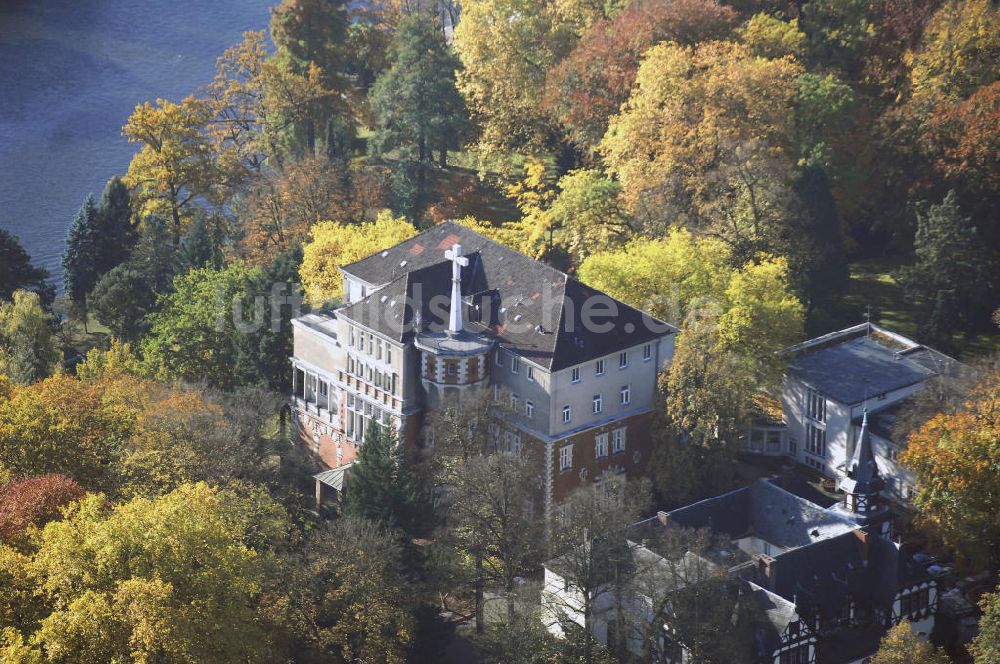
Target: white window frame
[(598, 402), (575, 375), (530, 374), (815, 440), (601, 446), (647, 352), (623, 360), (618, 440), (498, 358), (515, 402), (599, 368), (626, 394), (815, 406), (529, 409), (566, 457), (515, 364), (567, 414)]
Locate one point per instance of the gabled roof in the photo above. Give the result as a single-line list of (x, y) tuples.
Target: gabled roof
[(529, 307), (863, 362)]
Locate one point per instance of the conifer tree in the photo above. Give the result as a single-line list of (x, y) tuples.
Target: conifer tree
[(196, 248), (17, 272), (379, 486), (80, 259), (115, 233)]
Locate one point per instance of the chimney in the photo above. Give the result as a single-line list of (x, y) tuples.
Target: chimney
[(863, 538), (765, 570), (663, 517)]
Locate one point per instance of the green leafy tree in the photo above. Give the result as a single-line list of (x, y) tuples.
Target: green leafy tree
[(839, 31), (122, 300), (17, 272), (820, 267), (950, 280), (985, 648), (380, 486), (80, 259), (28, 350), (590, 213), (772, 37), (825, 114), (191, 336), (312, 33)]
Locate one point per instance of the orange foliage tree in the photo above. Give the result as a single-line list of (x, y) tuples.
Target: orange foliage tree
[(956, 459)]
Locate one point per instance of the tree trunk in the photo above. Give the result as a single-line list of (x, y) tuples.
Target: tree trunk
[(444, 158)]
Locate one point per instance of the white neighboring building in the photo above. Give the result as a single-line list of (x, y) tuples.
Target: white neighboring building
[(829, 382)]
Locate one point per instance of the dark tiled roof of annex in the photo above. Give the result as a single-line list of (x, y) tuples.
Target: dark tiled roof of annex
[(863, 362), (529, 307)]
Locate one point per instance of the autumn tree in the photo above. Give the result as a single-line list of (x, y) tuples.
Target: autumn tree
[(257, 101), (772, 37), (956, 481), (28, 350), (175, 165), (704, 140), (506, 48), (838, 31), (334, 244), (583, 90), (171, 577), (34, 501), (341, 595), (901, 646), (283, 204), (589, 213), (17, 272), (65, 426), (312, 34)]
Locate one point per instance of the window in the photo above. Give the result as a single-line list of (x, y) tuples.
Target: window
[(388, 353), (529, 409), (626, 394), (371, 344), (513, 442), (496, 393), (601, 446), (361, 341), (498, 358), (618, 440), (531, 374), (597, 403), (599, 368), (815, 441), (576, 374), (567, 414), (623, 359), (515, 364), (647, 352), (515, 402), (565, 457), (453, 368), (350, 336), (815, 406), (395, 383), (797, 655), (350, 364)]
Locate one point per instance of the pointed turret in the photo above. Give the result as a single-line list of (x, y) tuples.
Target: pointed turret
[(862, 485), (862, 468)]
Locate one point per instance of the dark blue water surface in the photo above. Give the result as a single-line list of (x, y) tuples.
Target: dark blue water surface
[(71, 71)]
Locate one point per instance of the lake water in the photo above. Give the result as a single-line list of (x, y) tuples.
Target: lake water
[(71, 71)]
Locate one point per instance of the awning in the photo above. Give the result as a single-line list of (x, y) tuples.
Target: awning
[(333, 478)]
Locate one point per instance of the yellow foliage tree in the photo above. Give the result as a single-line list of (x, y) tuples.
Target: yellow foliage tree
[(333, 244), (696, 119), (176, 163), (959, 50), (901, 646)]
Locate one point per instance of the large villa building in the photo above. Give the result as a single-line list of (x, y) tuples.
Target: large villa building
[(830, 382), (449, 311)]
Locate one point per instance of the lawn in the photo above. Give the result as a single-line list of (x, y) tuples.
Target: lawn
[(873, 289)]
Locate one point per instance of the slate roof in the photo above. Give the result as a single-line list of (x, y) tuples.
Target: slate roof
[(863, 362), (765, 510), (527, 306)]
